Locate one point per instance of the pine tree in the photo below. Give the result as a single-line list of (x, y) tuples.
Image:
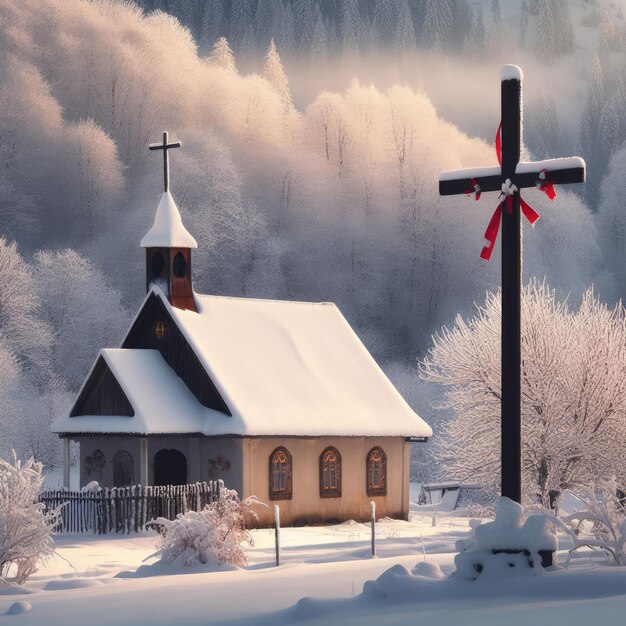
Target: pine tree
[(546, 39), (476, 42), (350, 26), (610, 127), (543, 136), (213, 24), (286, 30), (384, 21), (564, 28), (591, 146), (437, 27), (241, 19), (223, 56), (404, 38), (523, 24), (462, 19), (496, 13), (318, 47), (274, 72)]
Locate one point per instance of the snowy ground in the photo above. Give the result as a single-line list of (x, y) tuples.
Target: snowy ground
[(94, 581)]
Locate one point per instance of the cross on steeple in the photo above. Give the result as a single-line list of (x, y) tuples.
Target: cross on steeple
[(165, 146), (508, 178)]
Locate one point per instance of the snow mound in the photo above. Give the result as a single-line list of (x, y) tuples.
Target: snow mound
[(428, 570), (19, 607), (72, 583), (506, 546), (174, 568), (400, 584)]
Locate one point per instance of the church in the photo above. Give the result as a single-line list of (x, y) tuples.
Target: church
[(279, 399)]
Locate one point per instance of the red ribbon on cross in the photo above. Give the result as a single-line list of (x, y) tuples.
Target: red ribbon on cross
[(506, 199), (474, 188)]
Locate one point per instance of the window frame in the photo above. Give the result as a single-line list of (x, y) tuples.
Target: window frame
[(381, 488), (330, 492), (275, 493)]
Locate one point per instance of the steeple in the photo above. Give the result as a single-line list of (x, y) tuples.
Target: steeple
[(168, 244)]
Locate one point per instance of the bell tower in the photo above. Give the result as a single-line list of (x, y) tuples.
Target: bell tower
[(168, 244)]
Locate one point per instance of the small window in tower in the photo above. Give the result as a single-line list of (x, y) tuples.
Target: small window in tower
[(158, 263), (160, 329), (179, 265)]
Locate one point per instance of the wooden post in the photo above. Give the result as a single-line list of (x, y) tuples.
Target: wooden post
[(143, 461), (511, 356), (373, 507), (66, 462), (277, 532)]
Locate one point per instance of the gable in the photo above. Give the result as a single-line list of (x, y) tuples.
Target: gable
[(102, 394), (155, 329)]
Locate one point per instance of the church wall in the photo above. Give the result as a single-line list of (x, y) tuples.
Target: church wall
[(306, 505), (207, 458), (108, 446), (221, 458)]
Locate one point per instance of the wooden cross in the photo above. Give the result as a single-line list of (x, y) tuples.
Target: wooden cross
[(508, 178), (166, 162)]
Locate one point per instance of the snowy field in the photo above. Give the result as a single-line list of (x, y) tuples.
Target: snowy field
[(96, 580)]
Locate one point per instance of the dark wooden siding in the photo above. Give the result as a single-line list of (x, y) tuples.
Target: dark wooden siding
[(176, 351), (102, 395)]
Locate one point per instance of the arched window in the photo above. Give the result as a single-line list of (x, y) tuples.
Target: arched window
[(330, 473), (376, 469), (179, 265), (123, 469), (280, 474)]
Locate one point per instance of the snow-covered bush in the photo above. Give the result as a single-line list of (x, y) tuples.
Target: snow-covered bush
[(602, 525), (25, 527), (216, 534), (511, 544)]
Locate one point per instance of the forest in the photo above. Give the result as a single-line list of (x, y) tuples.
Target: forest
[(313, 134)]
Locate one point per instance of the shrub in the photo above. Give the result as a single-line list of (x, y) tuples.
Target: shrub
[(216, 534), (25, 527)]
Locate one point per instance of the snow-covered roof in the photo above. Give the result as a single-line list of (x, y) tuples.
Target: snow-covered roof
[(282, 368), (160, 399), (168, 230)]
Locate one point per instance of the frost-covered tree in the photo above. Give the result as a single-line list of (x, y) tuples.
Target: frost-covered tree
[(22, 332), (274, 72), (26, 528), (573, 400), (222, 56), (84, 312)]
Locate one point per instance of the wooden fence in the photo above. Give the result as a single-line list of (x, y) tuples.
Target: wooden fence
[(126, 509)]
